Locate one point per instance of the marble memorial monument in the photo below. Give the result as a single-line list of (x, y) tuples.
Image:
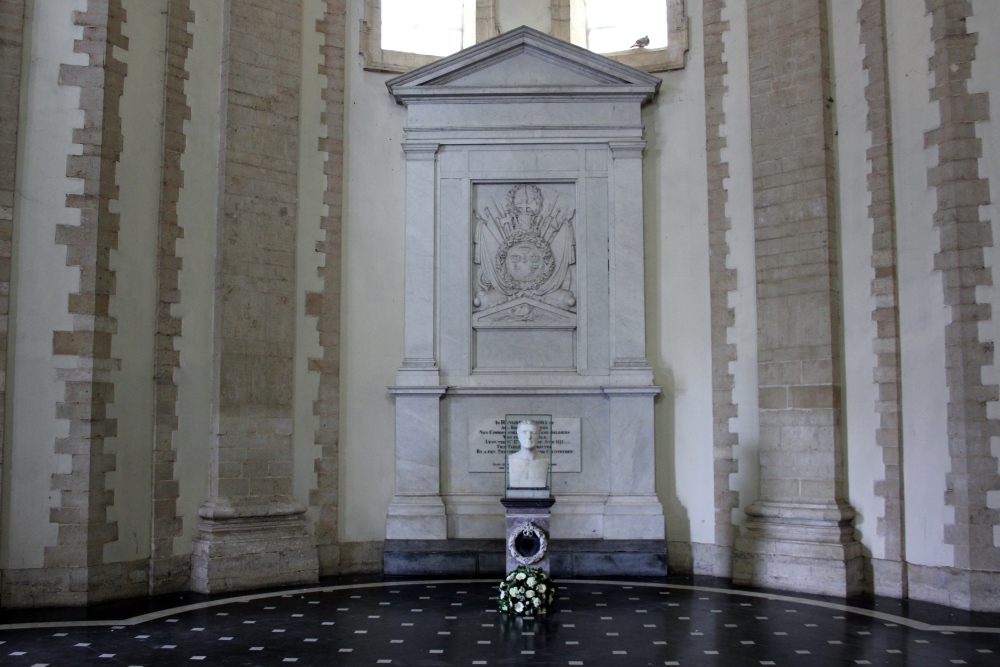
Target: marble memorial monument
[(524, 295)]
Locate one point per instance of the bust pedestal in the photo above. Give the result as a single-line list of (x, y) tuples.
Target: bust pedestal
[(528, 532)]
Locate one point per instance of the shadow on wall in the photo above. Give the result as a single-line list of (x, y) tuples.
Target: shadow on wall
[(678, 520)]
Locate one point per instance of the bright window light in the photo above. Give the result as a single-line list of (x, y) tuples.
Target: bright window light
[(430, 27), (615, 25)]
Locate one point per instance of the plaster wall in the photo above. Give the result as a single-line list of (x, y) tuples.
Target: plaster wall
[(921, 312), (196, 280), (40, 282), (864, 456), (372, 307), (134, 302), (675, 200)]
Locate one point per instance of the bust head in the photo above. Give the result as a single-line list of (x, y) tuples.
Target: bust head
[(527, 434)]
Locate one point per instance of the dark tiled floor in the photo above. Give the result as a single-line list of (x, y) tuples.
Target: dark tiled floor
[(454, 622)]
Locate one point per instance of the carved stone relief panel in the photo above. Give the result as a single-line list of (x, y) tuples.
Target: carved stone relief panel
[(524, 296), (525, 255)]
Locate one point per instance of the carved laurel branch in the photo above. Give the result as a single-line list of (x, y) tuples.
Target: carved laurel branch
[(528, 528)]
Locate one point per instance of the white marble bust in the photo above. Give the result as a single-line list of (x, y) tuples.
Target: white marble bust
[(527, 468)]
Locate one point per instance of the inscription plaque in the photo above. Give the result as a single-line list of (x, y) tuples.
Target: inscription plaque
[(486, 443)]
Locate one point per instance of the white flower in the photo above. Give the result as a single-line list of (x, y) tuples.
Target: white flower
[(521, 576), (502, 595), (519, 607), (514, 592), (537, 602), (530, 594), (530, 581), (541, 588)]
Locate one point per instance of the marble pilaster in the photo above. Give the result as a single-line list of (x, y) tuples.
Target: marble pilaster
[(419, 360), (628, 310), (417, 511), (632, 511)]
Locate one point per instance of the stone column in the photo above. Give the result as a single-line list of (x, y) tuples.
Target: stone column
[(252, 532), (799, 532)]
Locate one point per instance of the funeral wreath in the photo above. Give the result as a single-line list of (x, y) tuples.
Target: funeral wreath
[(526, 591)]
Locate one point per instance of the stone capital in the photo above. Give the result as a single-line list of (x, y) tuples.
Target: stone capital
[(627, 150), (420, 150)]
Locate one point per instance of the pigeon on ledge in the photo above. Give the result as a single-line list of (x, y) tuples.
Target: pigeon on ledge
[(640, 43)]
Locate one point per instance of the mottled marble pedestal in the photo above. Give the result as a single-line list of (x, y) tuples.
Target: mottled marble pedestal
[(485, 558), (528, 532)]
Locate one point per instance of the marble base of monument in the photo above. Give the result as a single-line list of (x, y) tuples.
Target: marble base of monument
[(485, 557)]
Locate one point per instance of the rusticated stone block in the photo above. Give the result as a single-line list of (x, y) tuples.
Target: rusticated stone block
[(326, 306), (68, 586), (723, 280), (960, 191), (82, 519)]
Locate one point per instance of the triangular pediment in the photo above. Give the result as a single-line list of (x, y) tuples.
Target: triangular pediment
[(525, 67), (523, 62)]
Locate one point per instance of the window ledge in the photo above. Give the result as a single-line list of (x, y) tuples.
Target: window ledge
[(378, 60), (670, 57)]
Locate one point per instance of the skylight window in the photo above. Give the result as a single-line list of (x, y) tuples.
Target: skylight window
[(429, 27), (615, 25), (401, 35)]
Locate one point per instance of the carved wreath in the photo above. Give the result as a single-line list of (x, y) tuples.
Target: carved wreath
[(539, 276), (528, 529)]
